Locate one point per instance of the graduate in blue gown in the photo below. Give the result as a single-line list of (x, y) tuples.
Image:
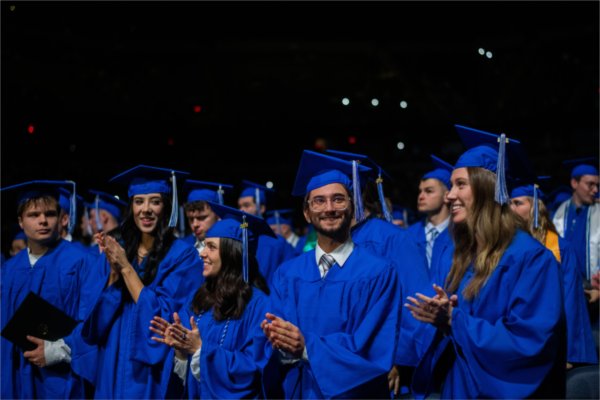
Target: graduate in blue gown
[(500, 320), (217, 341), (282, 224), (151, 274), (580, 341), (335, 310), (271, 251), (55, 270)]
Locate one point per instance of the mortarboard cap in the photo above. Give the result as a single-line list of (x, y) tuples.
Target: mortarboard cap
[(34, 189), (496, 153), (530, 188), (108, 202), (283, 216), (317, 170), (204, 191), (241, 226), (255, 190), (442, 171), (37, 317), (375, 168), (144, 179), (582, 166)]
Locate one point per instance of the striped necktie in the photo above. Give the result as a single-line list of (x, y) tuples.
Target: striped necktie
[(431, 235), (326, 262)]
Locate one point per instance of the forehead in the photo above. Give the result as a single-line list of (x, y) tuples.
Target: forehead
[(201, 213), (429, 183), (589, 178), (328, 190), (213, 240), (147, 196), (246, 199), (460, 173)]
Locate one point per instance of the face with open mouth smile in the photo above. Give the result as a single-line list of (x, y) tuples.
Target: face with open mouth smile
[(147, 209), (460, 196)]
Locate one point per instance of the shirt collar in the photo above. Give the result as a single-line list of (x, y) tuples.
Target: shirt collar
[(440, 227), (340, 254)]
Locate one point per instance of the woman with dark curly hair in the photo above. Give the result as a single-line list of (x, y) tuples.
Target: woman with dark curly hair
[(216, 339), (148, 273)]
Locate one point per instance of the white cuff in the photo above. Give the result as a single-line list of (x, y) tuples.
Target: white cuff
[(195, 364), (56, 352), (287, 358), (180, 368)]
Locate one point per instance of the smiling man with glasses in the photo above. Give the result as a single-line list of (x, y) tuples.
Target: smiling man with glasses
[(335, 309)]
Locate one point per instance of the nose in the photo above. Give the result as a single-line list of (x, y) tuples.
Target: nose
[(451, 194)]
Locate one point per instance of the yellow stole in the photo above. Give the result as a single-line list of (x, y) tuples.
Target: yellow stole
[(552, 244)]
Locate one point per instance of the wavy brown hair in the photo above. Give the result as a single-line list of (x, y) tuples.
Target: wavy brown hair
[(227, 293), (483, 238)]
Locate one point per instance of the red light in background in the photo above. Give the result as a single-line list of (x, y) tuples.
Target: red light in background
[(170, 141), (30, 129), (197, 108), (352, 139), (320, 144)]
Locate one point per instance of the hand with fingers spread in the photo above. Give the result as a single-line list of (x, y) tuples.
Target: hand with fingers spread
[(36, 356), (184, 341), (436, 310), (283, 335)]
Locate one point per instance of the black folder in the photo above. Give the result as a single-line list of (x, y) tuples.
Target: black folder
[(36, 317)]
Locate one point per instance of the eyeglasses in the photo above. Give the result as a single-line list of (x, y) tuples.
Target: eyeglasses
[(319, 203)]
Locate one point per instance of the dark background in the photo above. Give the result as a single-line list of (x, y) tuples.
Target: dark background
[(109, 85)]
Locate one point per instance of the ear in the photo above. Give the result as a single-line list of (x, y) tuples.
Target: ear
[(21, 222), (306, 215), (574, 183)]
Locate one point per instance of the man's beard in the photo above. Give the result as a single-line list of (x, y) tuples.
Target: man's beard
[(340, 234)]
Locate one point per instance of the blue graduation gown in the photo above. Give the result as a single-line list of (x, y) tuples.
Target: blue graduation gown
[(58, 277), (270, 253), (129, 362), (580, 341), (415, 275), (349, 321), (509, 341), (380, 236), (231, 368)]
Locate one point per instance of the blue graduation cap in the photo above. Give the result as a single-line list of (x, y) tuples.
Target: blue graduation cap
[(365, 160), (256, 191), (205, 191), (108, 202), (317, 170), (496, 153), (280, 217), (238, 225), (442, 171), (582, 166), (144, 179), (530, 189), (283, 216), (38, 188)]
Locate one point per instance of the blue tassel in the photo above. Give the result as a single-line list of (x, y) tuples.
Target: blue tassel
[(501, 192), (220, 195), (535, 207), (386, 212), (181, 221), (175, 202), (99, 226), (277, 222), (359, 214), (73, 211), (257, 201), (244, 227)]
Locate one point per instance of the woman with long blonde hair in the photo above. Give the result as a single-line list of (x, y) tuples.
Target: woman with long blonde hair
[(500, 318)]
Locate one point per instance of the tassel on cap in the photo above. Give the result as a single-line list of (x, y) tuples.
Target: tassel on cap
[(501, 192), (174, 203), (359, 214), (386, 212)]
